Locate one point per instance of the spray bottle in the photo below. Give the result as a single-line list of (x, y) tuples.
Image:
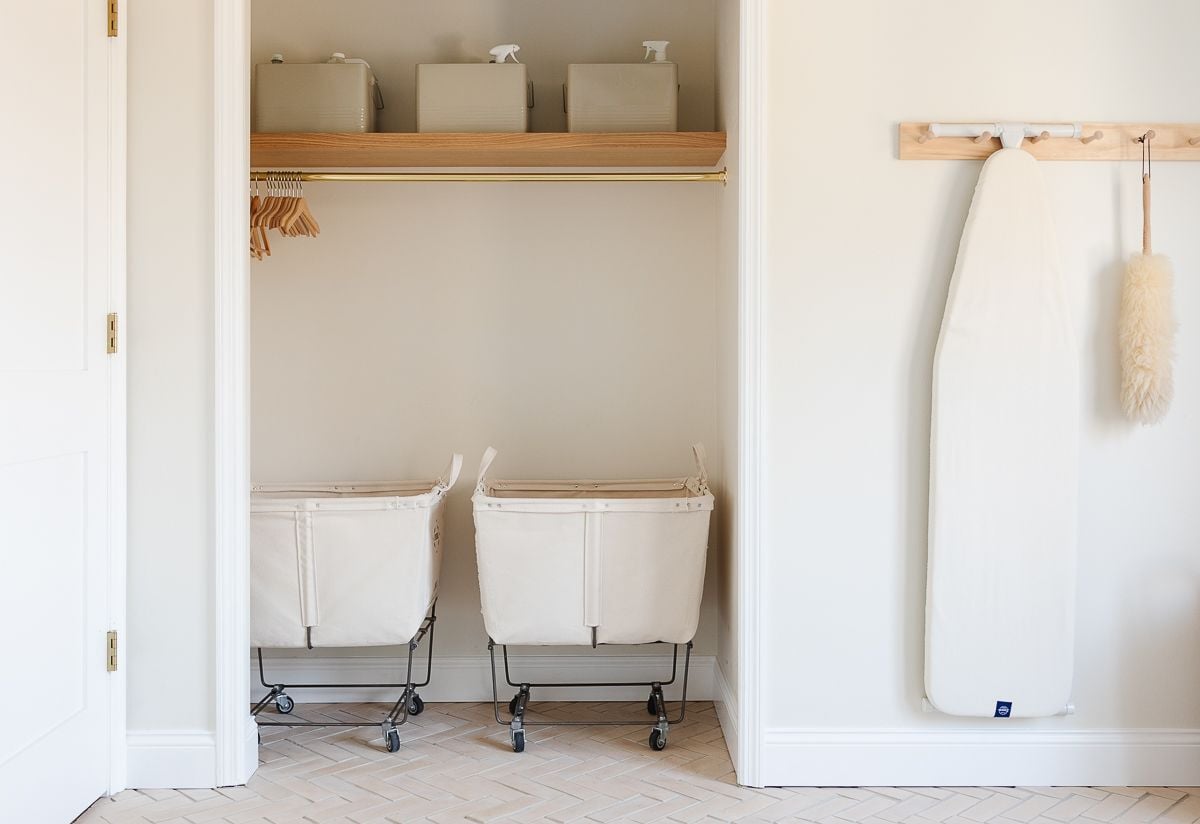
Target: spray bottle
[(340, 57), (659, 48), (500, 54)]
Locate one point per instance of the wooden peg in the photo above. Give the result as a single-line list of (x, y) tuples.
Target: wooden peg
[(1039, 138), (984, 138), (926, 136), (1096, 135)]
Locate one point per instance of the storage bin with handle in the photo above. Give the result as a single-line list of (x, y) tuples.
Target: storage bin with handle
[(624, 97), (345, 565), (582, 562), (475, 97), (339, 95)]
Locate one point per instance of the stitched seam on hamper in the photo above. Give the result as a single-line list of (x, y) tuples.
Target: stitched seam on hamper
[(305, 547), (591, 569)]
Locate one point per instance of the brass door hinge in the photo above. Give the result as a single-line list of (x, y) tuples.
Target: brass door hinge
[(112, 333), (111, 650), (112, 18)]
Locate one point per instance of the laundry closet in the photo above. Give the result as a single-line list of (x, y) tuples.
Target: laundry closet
[(585, 328)]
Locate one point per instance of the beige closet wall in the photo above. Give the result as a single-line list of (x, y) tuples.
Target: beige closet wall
[(572, 326)]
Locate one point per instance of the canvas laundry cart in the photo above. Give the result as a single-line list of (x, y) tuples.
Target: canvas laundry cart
[(588, 563), (346, 565)]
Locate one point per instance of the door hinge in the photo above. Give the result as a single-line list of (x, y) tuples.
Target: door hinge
[(112, 18), (112, 333), (111, 650)]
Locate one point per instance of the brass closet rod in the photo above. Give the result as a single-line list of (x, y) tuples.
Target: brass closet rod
[(501, 177)]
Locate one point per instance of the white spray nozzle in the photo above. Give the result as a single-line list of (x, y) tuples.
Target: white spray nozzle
[(500, 54), (659, 48)]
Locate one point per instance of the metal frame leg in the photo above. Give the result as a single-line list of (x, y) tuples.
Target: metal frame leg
[(656, 704), (409, 703)]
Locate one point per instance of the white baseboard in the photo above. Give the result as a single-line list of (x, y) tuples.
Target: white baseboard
[(727, 712), (172, 759), (468, 678), (250, 742), (864, 757)]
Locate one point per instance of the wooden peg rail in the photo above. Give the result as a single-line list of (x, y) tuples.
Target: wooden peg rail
[(1117, 141)]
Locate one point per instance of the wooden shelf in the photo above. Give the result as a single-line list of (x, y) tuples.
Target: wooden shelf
[(536, 149)]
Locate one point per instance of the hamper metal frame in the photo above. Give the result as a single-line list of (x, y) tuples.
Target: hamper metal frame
[(656, 704), (409, 703)]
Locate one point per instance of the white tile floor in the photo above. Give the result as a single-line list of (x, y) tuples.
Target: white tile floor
[(456, 765)]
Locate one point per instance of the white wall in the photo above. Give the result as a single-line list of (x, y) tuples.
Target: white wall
[(861, 248), (574, 327), (169, 336), (168, 333)]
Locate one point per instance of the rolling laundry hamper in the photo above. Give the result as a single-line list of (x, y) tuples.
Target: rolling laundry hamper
[(346, 565), (591, 562)]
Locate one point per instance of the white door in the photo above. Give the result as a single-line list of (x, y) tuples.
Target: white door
[(61, 273)]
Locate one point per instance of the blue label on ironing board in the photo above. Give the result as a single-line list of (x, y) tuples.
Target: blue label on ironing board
[(1003, 709)]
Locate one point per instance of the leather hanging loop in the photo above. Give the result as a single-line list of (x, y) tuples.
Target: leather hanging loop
[(1147, 246)]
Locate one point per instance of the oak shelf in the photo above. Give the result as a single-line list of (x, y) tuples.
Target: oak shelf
[(529, 150)]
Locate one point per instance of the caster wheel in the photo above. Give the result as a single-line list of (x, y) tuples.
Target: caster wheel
[(285, 704), (512, 704), (658, 741), (518, 740), (416, 705), (393, 741), (651, 706)]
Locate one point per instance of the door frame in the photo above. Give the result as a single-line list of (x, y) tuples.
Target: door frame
[(752, 462), (235, 734), (118, 404)]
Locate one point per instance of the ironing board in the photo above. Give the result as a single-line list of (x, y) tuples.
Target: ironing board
[(1000, 602)]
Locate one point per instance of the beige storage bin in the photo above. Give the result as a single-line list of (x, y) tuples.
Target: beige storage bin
[(624, 97), (473, 97), (338, 96)]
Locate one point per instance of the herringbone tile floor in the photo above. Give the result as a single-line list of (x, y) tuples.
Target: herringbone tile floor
[(455, 764)]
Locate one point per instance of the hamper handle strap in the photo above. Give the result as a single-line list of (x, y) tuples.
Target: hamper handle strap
[(702, 471), (450, 476), (489, 455)]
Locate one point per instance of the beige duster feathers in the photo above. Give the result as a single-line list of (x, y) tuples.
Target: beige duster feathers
[(1147, 325)]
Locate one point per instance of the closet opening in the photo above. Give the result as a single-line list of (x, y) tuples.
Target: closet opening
[(446, 299)]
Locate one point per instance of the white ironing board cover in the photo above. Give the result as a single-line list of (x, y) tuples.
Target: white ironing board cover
[(1000, 602), (559, 558), (354, 564)]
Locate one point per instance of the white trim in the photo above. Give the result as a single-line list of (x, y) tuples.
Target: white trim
[(118, 475), (231, 475), (172, 759), (250, 742), (981, 757), (727, 711), (468, 677), (751, 461)]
